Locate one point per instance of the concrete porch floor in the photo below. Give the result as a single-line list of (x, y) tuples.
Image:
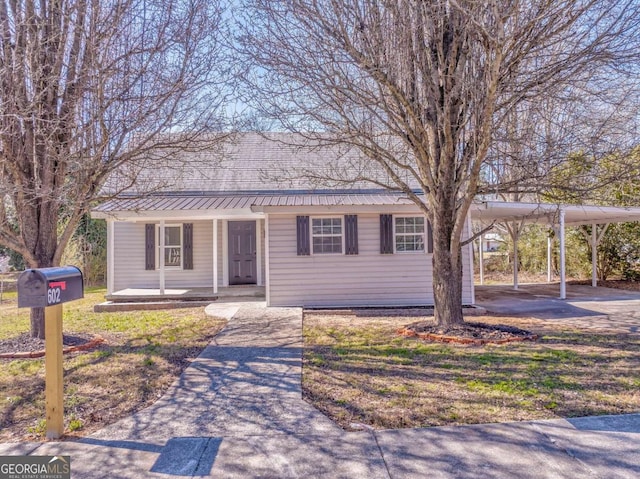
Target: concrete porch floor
[(133, 299), (185, 294)]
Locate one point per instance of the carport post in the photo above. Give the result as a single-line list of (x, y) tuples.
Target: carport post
[(594, 255), (481, 259), (563, 285), (549, 252), (515, 237)]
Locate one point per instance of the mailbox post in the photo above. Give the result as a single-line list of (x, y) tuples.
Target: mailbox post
[(48, 288)]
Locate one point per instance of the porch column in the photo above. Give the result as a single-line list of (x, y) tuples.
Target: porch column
[(594, 255), (549, 255), (161, 255), (259, 281), (563, 284), (215, 256)]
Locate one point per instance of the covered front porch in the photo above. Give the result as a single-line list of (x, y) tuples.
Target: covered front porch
[(132, 299)]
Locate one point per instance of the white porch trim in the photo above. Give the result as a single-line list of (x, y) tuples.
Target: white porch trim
[(267, 290), (258, 252), (225, 254), (161, 257)]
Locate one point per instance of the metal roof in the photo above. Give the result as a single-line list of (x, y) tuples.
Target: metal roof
[(486, 211), (239, 201)]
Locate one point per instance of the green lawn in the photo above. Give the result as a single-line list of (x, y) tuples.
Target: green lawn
[(144, 353), (357, 370)]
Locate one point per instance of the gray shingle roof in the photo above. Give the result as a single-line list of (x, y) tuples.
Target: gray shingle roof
[(253, 162)]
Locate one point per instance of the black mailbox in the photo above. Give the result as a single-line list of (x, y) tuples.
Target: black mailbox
[(38, 288)]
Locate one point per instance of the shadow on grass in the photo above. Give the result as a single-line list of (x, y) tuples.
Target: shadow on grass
[(567, 375), (120, 378)]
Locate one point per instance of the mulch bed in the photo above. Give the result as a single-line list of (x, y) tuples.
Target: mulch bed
[(25, 346), (468, 333)]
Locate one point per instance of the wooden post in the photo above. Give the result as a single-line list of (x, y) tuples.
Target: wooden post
[(54, 397)]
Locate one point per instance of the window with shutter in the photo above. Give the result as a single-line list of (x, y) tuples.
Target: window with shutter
[(386, 234), (187, 238), (149, 247), (326, 235), (302, 236), (409, 233), (351, 234)]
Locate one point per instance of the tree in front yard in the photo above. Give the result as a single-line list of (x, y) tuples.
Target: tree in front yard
[(87, 87), (420, 88)]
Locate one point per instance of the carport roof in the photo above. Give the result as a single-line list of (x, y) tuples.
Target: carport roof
[(488, 211)]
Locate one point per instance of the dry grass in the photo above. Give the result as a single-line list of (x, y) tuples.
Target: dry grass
[(144, 354), (357, 370)]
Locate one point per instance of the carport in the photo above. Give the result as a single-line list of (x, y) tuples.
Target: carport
[(557, 217)]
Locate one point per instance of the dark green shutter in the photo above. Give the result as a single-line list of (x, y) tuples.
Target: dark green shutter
[(429, 238), (149, 246), (302, 236), (187, 238), (351, 234), (386, 234)]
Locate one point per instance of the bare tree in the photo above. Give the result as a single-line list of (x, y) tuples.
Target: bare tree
[(88, 87), (421, 86)]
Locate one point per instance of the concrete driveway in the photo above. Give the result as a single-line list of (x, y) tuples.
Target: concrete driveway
[(585, 306)]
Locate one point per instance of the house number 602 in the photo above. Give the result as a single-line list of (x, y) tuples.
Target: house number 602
[(53, 296)]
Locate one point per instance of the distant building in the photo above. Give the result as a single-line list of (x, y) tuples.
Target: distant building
[(492, 242)]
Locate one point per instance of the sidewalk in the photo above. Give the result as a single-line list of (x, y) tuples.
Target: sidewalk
[(237, 412)]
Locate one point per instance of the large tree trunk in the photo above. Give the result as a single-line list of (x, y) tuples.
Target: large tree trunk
[(37, 323), (44, 250), (447, 273)]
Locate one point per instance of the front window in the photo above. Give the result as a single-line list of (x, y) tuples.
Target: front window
[(409, 233), (326, 234), (172, 246)]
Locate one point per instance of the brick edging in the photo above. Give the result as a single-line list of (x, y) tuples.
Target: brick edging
[(71, 349), (442, 338)]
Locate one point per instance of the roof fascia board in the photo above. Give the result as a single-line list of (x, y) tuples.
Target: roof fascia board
[(182, 215), (318, 209)]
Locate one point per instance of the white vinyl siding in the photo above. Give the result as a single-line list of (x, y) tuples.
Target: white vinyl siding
[(129, 259), (366, 279)]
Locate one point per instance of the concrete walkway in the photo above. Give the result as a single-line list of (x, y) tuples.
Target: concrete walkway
[(237, 412)]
